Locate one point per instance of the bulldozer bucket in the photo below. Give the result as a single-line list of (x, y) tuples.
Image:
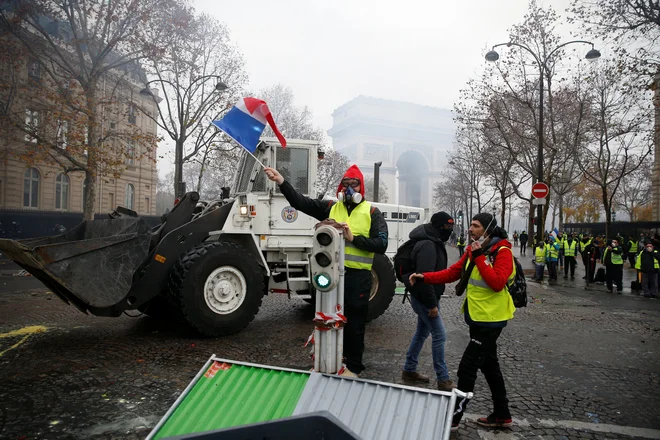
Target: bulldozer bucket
[(90, 266)]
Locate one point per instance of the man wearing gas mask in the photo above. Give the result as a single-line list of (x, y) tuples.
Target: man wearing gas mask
[(365, 232), (484, 272)]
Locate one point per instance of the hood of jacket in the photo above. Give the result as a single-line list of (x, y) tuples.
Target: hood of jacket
[(353, 172)]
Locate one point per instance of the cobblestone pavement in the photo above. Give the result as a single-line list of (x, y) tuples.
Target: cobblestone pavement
[(578, 363)]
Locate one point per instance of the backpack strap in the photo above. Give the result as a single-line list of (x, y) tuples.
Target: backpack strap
[(373, 209)]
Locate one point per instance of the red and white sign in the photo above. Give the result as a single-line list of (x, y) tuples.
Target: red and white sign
[(540, 190)]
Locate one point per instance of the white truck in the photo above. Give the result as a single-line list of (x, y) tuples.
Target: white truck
[(209, 262)]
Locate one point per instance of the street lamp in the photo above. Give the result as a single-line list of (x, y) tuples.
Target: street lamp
[(179, 184), (492, 56)]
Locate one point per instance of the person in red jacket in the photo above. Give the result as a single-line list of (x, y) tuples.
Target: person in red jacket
[(484, 270)]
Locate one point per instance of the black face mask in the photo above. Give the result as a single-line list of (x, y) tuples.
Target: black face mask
[(444, 234)]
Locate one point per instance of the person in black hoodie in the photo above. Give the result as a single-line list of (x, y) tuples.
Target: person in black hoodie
[(429, 255)]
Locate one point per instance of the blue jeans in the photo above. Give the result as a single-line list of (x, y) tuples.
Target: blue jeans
[(436, 329)]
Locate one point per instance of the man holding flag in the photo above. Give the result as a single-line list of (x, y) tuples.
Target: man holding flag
[(365, 232)]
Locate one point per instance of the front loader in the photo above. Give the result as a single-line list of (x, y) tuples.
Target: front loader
[(208, 262)]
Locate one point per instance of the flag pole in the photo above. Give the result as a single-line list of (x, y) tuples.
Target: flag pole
[(255, 157)]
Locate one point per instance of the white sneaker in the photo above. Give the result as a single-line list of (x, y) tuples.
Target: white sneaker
[(348, 373)]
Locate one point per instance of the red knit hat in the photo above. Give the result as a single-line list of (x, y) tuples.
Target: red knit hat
[(353, 172)]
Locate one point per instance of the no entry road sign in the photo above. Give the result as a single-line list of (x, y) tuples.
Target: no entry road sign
[(540, 190)]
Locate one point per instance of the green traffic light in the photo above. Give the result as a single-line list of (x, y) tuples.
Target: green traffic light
[(322, 280)]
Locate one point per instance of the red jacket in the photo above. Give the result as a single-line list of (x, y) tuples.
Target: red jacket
[(496, 276)]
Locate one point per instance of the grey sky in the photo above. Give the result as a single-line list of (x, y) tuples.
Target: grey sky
[(330, 51)]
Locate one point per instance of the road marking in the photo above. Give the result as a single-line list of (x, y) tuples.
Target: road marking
[(630, 431), (26, 332)]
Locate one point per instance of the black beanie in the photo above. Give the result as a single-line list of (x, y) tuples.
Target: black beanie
[(487, 221), (439, 219)]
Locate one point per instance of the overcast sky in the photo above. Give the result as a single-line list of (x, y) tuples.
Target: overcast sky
[(330, 51)]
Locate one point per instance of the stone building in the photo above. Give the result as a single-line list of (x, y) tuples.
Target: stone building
[(43, 185), (411, 140)]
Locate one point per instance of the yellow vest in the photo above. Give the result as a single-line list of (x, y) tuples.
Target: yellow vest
[(360, 223), (633, 247), (570, 249), (485, 305), (583, 246), (540, 255), (638, 263)]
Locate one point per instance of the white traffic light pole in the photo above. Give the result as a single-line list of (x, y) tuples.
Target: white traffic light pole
[(327, 267)]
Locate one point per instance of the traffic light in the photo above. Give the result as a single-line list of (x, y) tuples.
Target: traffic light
[(325, 263)]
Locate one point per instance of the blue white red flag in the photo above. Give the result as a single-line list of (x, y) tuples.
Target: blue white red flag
[(246, 121)]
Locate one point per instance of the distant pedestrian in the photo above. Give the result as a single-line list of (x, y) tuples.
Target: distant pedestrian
[(560, 242), (648, 265), (515, 238), (613, 260), (553, 258), (429, 255), (460, 244), (632, 250), (523, 243), (487, 308), (540, 257), (570, 251)]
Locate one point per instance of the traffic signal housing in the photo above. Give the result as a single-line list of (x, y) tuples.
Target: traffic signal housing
[(326, 258)]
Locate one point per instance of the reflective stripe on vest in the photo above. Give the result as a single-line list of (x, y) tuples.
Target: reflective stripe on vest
[(485, 305), (360, 224), (569, 249), (540, 255)]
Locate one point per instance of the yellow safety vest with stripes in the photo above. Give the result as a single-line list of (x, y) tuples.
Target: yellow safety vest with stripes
[(485, 305), (360, 223), (540, 254), (583, 246), (633, 247), (570, 249), (638, 263)]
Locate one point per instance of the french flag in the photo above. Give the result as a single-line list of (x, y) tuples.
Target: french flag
[(246, 121)]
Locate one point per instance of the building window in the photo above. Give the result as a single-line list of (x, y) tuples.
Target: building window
[(147, 202), (62, 134), (31, 125), (62, 192), (31, 179), (132, 118), (130, 196), (84, 195), (34, 70), (111, 198), (130, 154)]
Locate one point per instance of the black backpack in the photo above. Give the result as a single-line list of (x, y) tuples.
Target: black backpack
[(403, 263), (518, 286)]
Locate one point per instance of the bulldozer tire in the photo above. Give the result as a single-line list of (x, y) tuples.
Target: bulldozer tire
[(382, 287), (218, 286)]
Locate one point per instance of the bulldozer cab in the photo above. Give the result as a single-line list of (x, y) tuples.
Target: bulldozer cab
[(296, 163)]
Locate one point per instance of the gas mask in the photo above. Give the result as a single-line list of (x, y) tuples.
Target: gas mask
[(349, 195)]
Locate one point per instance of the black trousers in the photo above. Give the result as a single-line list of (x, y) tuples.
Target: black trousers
[(357, 287), (569, 263), (614, 275), (631, 259), (523, 248), (481, 354), (461, 249)]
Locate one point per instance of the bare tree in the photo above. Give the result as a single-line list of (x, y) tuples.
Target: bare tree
[(293, 121), (330, 170), (635, 191), (199, 77), (78, 44), (369, 190), (621, 136)]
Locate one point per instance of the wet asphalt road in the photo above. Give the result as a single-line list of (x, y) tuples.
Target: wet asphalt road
[(573, 359)]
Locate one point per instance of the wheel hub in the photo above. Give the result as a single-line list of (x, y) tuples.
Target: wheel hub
[(225, 290)]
